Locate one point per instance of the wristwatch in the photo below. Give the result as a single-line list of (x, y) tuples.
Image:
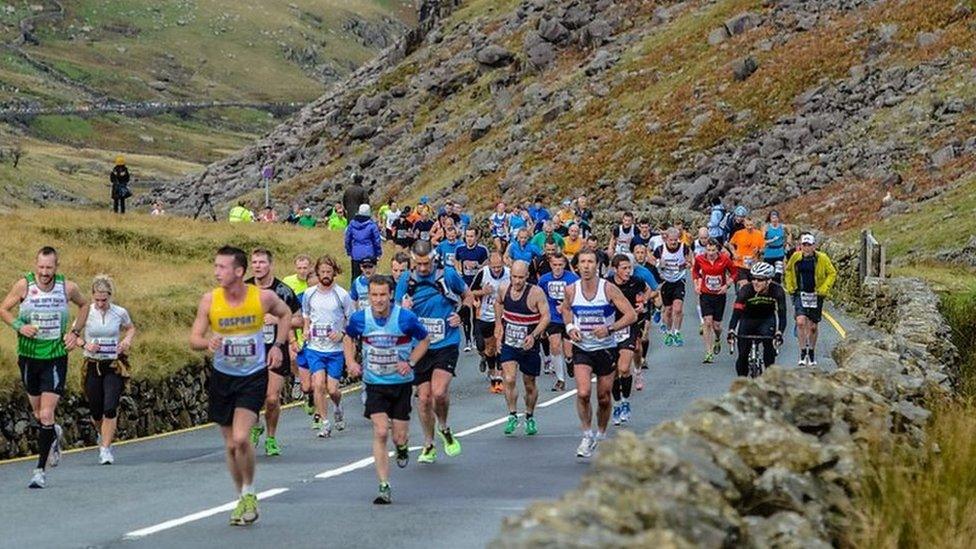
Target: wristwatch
[(281, 346), (76, 331), (412, 363)]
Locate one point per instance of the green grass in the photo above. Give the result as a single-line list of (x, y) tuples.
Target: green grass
[(62, 129)]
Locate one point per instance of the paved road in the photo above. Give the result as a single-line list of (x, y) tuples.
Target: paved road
[(167, 492)]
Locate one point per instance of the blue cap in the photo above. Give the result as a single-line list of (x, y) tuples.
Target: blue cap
[(741, 211), (424, 199)]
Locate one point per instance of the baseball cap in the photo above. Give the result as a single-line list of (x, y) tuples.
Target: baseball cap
[(808, 239), (367, 262), (424, 199)]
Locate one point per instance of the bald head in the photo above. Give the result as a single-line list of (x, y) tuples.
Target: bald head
[(519, 274)]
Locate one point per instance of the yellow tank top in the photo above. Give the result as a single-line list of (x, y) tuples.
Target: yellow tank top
[(571, 248), (241, 327)]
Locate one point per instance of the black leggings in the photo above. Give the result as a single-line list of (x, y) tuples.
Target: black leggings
[(103, 388), (467, 320), (118, 205), (742, 362)]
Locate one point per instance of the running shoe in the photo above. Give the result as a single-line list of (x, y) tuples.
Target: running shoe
[(717, 348), (585, 448), (256, 433), (547, 367), (105, 456), (339, 417), (326, 430), (384, 496), (668, 339), (250, 513), (54, 456), (616, 414), (402, 456), (452, 446), (709, 358), (296, 390), (656, 317), (701, 329), (530, 427), (511, 424), (625, 412), (271, 447), (362, 397), (467, 347), (639, 380), (559, 386), (237, 515), (316, 422), (679, 341), (308, 407), (428, 455), (483, 365), (664, 328), (811, 361), (37, 479)]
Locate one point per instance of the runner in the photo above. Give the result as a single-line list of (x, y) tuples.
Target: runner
[(234, 313), (469, 258), (574, 242), (761, 306), (521, 317), (325, 311), (302, 381), (262, 265), (777, 242), (747, 247), (622, 235), (386, 332), (518, 219), (584, 216), (637, 292), (554, 284), (359, 289), (546, 234), (673, 260), (520, 249), (447, 248), (108, 337), (602, 259), (540, 263), (402, 231), (700, 245), (434, 296), (44, 338), (498, 222), (484, 288), (652, 306), (424, 224), (590, 325), (711, 275), (644, 234), (399, 265), (809, 277)]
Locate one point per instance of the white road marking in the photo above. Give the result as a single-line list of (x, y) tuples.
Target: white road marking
[(331, 473)]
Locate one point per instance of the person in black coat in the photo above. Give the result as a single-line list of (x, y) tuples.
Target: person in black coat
[(120, 185), (354, 195)]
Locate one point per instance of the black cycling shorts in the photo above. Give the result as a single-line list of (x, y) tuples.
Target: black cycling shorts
[(43, 375)]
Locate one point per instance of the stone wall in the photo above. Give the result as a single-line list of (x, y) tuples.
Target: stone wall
[(775, 461)]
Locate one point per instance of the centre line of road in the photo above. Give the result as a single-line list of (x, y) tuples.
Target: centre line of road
[(331, 473)]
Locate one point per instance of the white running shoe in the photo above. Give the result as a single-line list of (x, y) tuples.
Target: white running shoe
[(37, 480), (326, 430), (105, 456), (340, 422), (54, 456), (585, 449)]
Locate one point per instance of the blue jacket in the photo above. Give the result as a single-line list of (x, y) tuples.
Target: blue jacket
[(363, 239), (715, 222)]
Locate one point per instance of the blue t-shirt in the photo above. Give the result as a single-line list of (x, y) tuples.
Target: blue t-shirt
[(446, 251), (432, 306), (360, 291), (382, 339), (471, 260), (515, 223), (776, 248), (555, 290), (645, 274), (522, 253)]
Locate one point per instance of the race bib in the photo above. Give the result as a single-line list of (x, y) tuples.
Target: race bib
[(470, 268), (622, 335), (671, 267), (320, 333), (382, 362), (108, 347), (808, 300), (269, 333), (435, 327), (622, 247), (779, 267), (242, 348), (557, 290), (403, 234), (48, 324), (449, 259), (713, 283), (515, 335), (588, 323), (424, 235)]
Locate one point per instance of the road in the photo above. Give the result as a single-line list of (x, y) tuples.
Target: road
[(175, 491)]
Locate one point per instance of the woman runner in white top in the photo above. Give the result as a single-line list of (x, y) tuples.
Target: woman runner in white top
[(108, 334)]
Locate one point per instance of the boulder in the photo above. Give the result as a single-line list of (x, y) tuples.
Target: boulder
[(494, 55), (552, 31), (717, 36), (744, 67), (742, 22)]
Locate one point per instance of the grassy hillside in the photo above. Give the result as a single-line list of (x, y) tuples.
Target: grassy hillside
[(160, 265)]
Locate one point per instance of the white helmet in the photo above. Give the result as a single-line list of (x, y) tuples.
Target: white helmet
[(762, 270)]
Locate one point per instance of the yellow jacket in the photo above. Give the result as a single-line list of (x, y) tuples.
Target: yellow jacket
[(824, 274), (239, 214)]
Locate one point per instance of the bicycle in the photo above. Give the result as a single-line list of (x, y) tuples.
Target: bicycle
[(756, 363)]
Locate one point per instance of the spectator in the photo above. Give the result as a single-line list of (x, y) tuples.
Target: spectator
[(120, 185), (307, 220), (241, 214), (355, 194), (269, 215), (337, 219), (157, 209), (362, 240), (295, 215)]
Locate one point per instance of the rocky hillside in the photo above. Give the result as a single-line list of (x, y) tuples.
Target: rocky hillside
[(764, 101)]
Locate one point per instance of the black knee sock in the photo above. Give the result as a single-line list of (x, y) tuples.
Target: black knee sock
[(615, 391), (45, 438), (644, 348), (625, 384), (311, 399)]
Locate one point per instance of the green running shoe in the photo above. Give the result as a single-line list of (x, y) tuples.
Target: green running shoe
[(709, 358), (452, 446), (271, 447), (428, 455), (237, 515), (308, 406), (250, 513), (530, 428), (511, 425), (317, 422), (385, 495), (256, 433), (668, 339)]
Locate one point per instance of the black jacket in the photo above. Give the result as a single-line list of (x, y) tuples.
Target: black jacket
[(352, 197), (120, 179)]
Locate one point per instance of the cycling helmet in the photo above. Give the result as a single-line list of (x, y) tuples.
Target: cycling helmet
[(762, 271), (741, 211)]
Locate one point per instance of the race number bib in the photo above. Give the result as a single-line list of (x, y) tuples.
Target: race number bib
[(48, 324), (403, 234), (588, 324), (515, 335), (108, 347), (713, 283), (557, 290), (424, 235), (382, 362), (622, 335), (622, 247), (808, 300), (239, 348), (470, 268), (435, 327), (269, 333), (320, 333)]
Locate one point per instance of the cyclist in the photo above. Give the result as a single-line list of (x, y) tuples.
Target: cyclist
[(759, 312)]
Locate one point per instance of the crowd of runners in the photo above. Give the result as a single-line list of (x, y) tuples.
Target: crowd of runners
[(535, 295)]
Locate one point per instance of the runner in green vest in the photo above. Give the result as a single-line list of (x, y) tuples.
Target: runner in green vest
[(45, 335)]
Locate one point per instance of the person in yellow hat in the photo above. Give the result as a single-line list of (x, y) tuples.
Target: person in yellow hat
[(120, 185)]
